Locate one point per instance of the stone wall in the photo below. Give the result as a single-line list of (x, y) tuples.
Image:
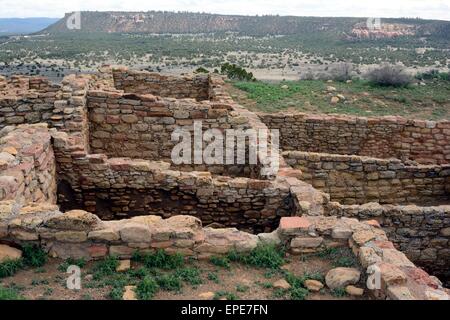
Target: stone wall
[(80, 234), (144, 82), (37, 101), (357, 180), (425, 142), (118, 187), (27, 164), (27, 100), (422, 233)]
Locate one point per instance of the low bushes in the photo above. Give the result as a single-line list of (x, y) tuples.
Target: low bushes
[(389, 75)]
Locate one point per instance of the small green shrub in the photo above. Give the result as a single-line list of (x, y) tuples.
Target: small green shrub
[(263, 256), (9, 294), (242, 288), (339, 292), (298, 293), (106, 267), (389, 75), (9, 267), (236, 73), (212, 276), (190, 275), (223, 262), (169, 282), (160, 259), (33, 255), (116, 293), (147, 288)]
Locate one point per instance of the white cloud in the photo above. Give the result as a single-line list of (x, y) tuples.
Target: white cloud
[(431, 9)]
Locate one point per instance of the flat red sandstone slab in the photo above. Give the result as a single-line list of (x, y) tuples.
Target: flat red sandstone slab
[(290, 223)]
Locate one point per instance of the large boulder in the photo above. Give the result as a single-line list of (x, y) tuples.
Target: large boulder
[(9, 253), (342, 277)]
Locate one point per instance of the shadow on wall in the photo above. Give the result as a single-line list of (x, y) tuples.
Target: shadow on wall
[(113, 204)]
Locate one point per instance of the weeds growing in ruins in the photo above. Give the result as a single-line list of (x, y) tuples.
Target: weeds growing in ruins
[(10, 267), (159, 259), (190, 275), (338, 292), (33, 255), (263, 256), (106, 267), (169, 282), (147, 288), (9, 294), (223, 262)]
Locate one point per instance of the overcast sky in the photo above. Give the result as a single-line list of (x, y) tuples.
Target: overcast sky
[(431, 9)]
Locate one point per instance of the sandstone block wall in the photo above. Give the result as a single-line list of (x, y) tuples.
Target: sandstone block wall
[(141, 126), (120, 187), (27, 164), (422, 233), (426, 142), (357, 180), (27, 100), (80, 234), (143, 82)]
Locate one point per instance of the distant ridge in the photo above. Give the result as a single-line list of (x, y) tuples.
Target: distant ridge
[(185, 22)]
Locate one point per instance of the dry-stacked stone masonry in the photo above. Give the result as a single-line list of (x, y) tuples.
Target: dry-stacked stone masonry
[(362, 163), (89, 174)]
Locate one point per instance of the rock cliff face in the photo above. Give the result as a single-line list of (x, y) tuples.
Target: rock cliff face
[(384, 30)]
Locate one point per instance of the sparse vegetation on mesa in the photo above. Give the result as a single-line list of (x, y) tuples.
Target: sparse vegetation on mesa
[(428, 99)]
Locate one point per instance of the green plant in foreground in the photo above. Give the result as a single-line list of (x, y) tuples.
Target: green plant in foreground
[(263, 256), (147, 288), (223, 262), (339, 292), (9, 294), (160, 259), (169, 282), (242, 288), (190, 275), (106, 267), (33, 255), (9, 267), (212, 276)]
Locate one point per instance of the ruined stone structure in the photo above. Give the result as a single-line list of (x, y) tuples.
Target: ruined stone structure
[(85, 171)]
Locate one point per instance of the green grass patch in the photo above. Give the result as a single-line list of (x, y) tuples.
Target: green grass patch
[(212, 276), (105, 267), (9, 294), (263, 256), (223, 262), (169, 282), (9, 267), (339, 292), (147, 288), (190, 275), (33, 255), (160, 259)]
